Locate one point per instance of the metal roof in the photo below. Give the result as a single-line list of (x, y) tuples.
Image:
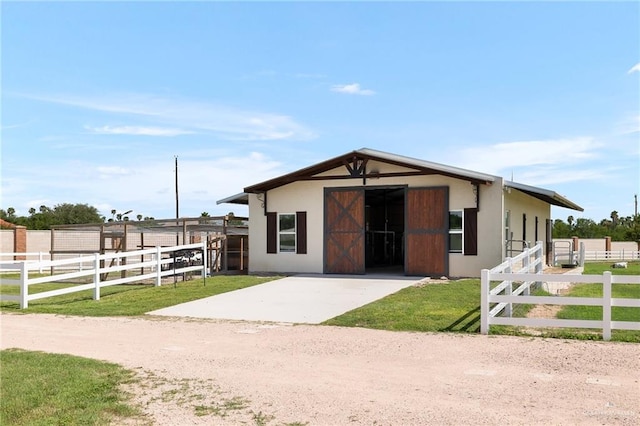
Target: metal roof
[(546, 195), (240, 198), (200, 224), (419, 166)]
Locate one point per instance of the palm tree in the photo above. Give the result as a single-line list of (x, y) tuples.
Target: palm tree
[(614, 219)]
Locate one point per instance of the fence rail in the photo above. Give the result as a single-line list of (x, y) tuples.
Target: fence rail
[(500, 299), (9, 263), (173, 263), (612, 255)]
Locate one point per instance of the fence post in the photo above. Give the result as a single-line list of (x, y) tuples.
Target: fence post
[(40, 259), (484, 301), (205, 256), (508, 310), (526, 264), (158, 267), (606, 305), (96, 276), (538, 267), (24, 288)]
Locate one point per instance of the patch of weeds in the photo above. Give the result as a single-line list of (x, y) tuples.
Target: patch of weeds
[(222, 408), (262, 419), (297, 424), (235, 403), (169, 395), (205, 410)]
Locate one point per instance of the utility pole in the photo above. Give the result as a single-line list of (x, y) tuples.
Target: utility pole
[(177, 210), (635, 196), (177, 202)]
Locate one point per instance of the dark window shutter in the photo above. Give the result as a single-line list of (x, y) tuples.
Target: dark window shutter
[(272, 232), (301, 232), (470, 232)]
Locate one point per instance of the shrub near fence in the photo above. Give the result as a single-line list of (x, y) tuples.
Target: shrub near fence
[(499, 300), (158, 266)]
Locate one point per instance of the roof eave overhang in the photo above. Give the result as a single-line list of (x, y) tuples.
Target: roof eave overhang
[(241, 198), (545, 195)]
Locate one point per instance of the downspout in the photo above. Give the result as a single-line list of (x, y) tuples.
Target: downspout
[(476, 192), (263, 200)]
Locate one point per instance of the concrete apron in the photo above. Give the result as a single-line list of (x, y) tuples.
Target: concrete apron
[(309, 299)]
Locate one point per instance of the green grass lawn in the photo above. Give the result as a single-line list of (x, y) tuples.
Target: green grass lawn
[(597, 268), (450, 306), (455, 306), (595, 290), (127, 299), (52, 389)]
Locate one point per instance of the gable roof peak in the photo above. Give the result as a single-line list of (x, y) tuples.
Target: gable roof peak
[(419, 167)]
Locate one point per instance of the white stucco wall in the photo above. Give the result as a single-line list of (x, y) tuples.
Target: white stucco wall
[(490, 235), (309, 196), (519, 203)]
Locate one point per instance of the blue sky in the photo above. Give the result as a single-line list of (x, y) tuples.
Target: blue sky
[(98, 98)]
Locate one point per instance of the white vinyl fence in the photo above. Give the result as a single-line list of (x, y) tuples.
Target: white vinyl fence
[(499, 300), (159, 261), (43, 258), (613, 255)]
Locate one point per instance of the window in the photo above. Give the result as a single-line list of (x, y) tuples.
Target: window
[(455, 231), (287, 233)]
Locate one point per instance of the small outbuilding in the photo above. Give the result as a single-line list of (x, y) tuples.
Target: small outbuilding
[(371, 211)]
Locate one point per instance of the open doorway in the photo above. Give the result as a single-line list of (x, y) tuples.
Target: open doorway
[(384, 229)]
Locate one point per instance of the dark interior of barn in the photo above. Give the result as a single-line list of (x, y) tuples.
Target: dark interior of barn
[(384, 229)]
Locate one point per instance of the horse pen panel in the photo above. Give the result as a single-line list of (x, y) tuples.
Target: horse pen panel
[(228, 237)]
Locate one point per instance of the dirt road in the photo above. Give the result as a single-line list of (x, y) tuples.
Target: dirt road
[(227, 373)]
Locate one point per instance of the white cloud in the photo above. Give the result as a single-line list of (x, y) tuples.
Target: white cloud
[(535, 162), (554, 175), (193, 116), (635, 68), (352, 89), (629, 125), (146, 186), (138, 131), (106, 172)]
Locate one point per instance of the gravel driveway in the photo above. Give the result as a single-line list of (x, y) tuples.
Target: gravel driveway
[(227, 373)]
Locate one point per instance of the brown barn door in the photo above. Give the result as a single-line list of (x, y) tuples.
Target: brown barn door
[(427, 231), (344, 231)]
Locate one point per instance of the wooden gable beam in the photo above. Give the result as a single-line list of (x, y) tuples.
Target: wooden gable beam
[(356, 167)]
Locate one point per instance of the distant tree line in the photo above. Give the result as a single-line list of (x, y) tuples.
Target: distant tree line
[(61, 214), (618, 228)]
